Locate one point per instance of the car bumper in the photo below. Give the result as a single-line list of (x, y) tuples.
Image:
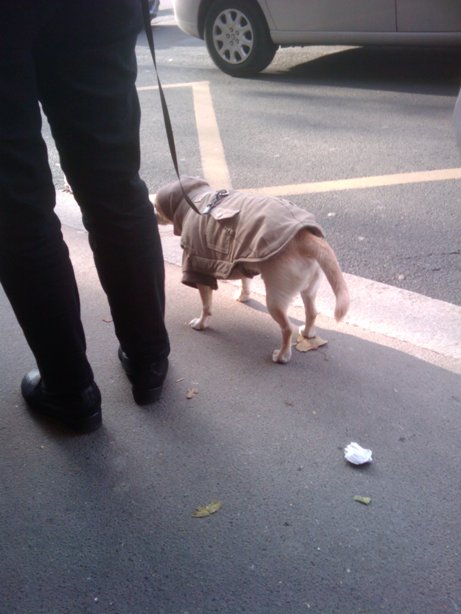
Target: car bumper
[(187, 18)]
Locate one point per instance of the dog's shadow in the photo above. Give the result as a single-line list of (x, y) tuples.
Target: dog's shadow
[(259, 305), (255, 304)]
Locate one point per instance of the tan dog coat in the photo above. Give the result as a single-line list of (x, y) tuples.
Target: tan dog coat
[(240, 230)]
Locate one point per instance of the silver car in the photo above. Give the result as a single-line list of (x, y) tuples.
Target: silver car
[(153, 8), (242, 36)]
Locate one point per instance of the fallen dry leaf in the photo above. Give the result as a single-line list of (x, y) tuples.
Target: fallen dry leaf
[(207, 510), (305, 345), (191, 393), (364, 500)]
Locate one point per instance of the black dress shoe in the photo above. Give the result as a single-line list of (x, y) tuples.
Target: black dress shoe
[(146, 380), (80, 411)]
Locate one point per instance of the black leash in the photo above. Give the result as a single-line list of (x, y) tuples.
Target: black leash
[(166, 114)]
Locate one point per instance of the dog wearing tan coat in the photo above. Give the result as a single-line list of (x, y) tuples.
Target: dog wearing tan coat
[(239, 235)]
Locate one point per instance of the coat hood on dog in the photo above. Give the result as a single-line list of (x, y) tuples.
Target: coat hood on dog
[(171, 201)]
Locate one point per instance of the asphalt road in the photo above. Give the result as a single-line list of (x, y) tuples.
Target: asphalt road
[(103, 523), (325, 114)]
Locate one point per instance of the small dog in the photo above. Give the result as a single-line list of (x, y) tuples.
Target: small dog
[(238, 236)]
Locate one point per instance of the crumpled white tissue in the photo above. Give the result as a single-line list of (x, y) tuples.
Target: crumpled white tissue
[(357, 455)]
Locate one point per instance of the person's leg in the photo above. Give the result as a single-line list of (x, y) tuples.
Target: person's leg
[(35, 269), (89, 96)]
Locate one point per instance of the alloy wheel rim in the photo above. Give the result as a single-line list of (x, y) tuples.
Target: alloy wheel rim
[(233, 36)]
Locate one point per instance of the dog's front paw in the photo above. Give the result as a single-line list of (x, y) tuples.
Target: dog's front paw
[(242, 297), (281, 358), (197, 324)]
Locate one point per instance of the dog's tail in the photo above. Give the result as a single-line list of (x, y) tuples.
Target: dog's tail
[(319, 249)]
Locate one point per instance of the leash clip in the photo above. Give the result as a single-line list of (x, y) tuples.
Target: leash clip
[(217, 198)]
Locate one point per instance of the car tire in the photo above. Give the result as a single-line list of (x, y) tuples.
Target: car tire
[(237, 37)]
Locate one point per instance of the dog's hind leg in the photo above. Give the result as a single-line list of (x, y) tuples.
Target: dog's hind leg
[(283, 281), (243, 295), (277, 305), (308, 295), (206, 294)]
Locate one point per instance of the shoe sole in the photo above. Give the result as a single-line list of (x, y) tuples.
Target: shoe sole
[(145, 397), (87, 424), (141, 396), (75, 420)]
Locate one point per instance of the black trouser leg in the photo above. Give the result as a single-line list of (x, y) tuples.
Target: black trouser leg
[(91, 103), (35, 269), (94, 115)]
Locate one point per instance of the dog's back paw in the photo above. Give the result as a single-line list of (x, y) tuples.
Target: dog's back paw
[(281, 357)]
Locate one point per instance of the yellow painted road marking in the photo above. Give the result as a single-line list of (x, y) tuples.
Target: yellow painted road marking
[(169, 86), (358, 183), (214, 165), (215, 168), (377, 307)]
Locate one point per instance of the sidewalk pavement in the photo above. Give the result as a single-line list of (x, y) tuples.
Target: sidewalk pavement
[(103, 522)]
